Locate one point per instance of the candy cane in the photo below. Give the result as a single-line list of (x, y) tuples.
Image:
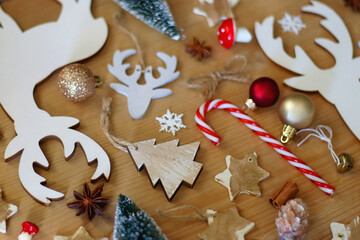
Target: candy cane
[(258, 130)]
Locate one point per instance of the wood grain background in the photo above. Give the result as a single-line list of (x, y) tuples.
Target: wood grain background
[(66, 176)]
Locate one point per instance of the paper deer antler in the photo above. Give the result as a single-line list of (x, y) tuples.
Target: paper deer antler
[(26, 59), (139, 96), (338, 84)]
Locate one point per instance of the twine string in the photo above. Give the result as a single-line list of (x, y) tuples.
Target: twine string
[(119, 143), (198, 215), (117, 19), (319, 132), (210, 81)]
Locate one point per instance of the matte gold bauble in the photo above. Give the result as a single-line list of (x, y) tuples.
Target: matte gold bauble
[(76, 82), (296, 111)]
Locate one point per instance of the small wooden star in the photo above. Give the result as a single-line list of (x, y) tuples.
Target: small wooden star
[(242, 176), (226, 226), (80, 234), (346, 232), (6, 211)]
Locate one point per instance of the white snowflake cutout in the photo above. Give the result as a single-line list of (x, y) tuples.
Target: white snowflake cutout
[(170, 122), (291, 23)]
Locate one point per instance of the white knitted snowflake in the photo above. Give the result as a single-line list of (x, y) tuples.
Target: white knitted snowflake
[(291, 23), (170, 122)]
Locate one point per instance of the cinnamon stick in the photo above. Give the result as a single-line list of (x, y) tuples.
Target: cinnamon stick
[(287, 192)]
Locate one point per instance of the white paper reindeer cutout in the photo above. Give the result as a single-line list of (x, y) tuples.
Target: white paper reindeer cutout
[(339, 84), (139, 96), (26, 59)]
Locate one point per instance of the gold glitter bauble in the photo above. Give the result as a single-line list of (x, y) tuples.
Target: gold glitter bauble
[(76, 82)]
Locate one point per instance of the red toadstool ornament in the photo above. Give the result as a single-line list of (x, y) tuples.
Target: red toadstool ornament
[(29, 230), (228, 34)]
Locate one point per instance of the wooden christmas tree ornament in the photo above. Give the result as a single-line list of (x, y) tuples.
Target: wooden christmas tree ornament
[(167, 163), (76, 35), (242, 176)]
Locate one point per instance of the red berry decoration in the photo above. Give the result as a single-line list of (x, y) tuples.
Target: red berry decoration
[(264, 92)]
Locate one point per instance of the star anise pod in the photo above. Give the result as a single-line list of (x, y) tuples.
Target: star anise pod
[(355, 4), (198, 50), (91, 203)]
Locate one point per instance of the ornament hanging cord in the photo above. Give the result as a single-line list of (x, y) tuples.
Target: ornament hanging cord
[(119, 143), (117, 19), (198, 216), (319, 133), (210, 81)]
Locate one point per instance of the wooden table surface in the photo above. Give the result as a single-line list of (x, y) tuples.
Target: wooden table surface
[(66, 176)]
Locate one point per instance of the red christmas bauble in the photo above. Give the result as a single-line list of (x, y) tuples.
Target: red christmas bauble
[(264, 92)]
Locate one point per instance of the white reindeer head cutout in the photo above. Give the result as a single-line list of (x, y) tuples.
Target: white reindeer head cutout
[(139, 96), (26, 59), (339, 84)]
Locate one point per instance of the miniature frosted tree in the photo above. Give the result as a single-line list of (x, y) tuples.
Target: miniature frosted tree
[(155, 13), (133, 223)]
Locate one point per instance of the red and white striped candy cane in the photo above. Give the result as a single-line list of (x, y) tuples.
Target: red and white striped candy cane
[(258, 130)]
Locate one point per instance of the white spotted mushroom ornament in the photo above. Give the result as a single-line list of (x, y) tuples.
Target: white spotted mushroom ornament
[(228, 34), (29, 230)]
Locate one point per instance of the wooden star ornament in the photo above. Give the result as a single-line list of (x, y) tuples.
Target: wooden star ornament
[(227, 225), (242, 176), (80, 234), (6, 211), (346, 232)]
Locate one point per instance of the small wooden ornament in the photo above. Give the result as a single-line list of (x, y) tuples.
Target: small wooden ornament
[(140, 95), (80, 234), (6, 211), (346, 232), (167, 163), (227, 225), (242, 176)]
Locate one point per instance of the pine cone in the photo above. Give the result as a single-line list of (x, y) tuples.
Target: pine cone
[(292, 220)]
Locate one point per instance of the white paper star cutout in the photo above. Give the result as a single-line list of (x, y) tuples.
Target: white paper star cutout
[(291, 23), (170, 122)]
